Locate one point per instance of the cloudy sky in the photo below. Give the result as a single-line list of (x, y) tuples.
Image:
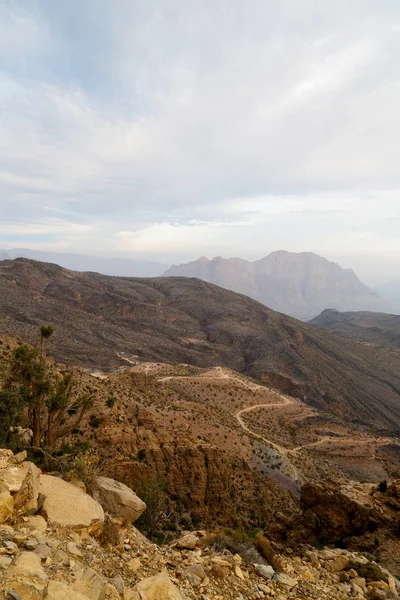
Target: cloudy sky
[(170, 129)]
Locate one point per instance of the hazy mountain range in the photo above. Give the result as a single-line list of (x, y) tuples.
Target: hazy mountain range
[(123, 267), (298, 284)]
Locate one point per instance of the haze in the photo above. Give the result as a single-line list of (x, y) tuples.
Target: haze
[(166, 130)]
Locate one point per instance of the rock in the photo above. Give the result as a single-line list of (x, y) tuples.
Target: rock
[(22, 481), (110, 592), (61, 591), (265, 571), (118, 583), (19, 457), (159, 587), (238, 572), (36, 522), (340, 563), (117, 499), (73, 550), (285, 580), (5, 562), (31, 544), (27, 577), (197, 570), (90, 583), (68, 506), (6, 506), (134, 564), (187, 542)]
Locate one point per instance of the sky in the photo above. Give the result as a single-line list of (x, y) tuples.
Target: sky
[(171, 129)]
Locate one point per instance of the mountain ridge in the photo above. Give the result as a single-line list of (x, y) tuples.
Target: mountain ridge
[(101, 322), (300, 285)]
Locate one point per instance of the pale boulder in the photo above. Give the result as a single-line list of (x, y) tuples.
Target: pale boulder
[(27, 577), (187, 542), (61, 591), (159, 587), (68, 506), (6, 506), (117, 499)]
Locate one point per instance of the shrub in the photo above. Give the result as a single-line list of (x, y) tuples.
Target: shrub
[(111, 400), (370, 571), (382, 487)]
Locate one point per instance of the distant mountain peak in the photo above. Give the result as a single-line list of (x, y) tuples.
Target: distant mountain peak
[(300, 284)]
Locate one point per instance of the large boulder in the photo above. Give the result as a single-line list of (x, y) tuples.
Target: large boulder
[(117, 499), (69, 506), (61, 591), (159, 587), (27, 577)]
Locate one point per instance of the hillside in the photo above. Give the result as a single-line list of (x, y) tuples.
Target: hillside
[(298, 284), (104, 322), (122, 267), (378, 329)]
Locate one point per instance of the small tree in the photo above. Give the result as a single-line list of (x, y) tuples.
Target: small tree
[(50, 403), (46, 331)]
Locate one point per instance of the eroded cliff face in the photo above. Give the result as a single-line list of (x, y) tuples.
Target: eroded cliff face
[(212, 486), (355, 516)]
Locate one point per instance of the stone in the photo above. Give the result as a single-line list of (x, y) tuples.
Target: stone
[(68, 506), (118, 583), (117, 499), (73, 550), (61, 591), (285, 580), (158, 587), (31, 544), (197, 570), (187, 542), (265, 571), (19, 457), (111, 593), (23, 483), (238, 572), (134, 564), (36, 522), (90, 583), (27, 577), (6, 506), (5, 562), (340, 563)]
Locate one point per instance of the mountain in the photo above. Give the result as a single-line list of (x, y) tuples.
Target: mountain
[(103, 322), (123, 267), (372, 328), (298, 284)]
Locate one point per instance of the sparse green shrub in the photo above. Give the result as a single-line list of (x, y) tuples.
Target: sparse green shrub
[(370, 571), (111, 400)]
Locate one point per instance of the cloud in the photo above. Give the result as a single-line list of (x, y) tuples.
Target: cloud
[(176, 128)]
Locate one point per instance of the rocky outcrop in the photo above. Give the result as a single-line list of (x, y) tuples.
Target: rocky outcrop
[(117, 499), (159, 587), (68, 506), (18, 485)]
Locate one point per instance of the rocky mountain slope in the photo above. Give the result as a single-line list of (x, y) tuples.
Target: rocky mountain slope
[(101, 321), (122, 267), (59, 543), (104, 321), (377, 329), (298, 284)]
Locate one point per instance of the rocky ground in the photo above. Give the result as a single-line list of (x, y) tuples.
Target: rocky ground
[(58, 542)]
